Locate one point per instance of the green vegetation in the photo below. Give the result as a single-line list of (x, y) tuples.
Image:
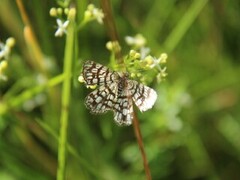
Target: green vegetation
[(193, 130)]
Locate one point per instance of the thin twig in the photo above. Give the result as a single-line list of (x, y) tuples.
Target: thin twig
[(111, 27), (141, 146)]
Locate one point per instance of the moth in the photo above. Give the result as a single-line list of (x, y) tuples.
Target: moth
[(115, 92)]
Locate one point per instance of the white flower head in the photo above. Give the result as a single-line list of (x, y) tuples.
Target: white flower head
[(137, 41), (153, 61), (98, 14), (62, 27), (4, 51), (144, 51), (93, 13)]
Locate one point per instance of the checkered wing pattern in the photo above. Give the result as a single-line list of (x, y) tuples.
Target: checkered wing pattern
[(123, 108), (143, 96), (103, 99), (97, 74)]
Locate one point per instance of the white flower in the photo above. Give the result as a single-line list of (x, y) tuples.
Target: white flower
[(157, 61), (62, 28), (144, 51), (4, 51), (138, 40), (98, 14), (93, 13)]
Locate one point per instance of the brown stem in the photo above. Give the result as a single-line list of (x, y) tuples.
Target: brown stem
[(111, 26), (141, 146)]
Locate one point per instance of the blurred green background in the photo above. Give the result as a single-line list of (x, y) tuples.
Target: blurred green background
[(193, 131)]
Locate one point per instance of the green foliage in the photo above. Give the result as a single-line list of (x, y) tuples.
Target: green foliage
[(193, 130)]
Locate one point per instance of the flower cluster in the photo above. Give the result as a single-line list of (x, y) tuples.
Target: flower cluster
[(61, 23), (5, 50), (141, 64), (61, 14), (93, 13)]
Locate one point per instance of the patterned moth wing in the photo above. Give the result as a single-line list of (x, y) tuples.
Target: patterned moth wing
[(143, 96), (97, 74), (102, 100), (123, 108)]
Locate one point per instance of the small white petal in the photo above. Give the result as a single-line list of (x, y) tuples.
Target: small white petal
[(59, 22), (59, 32), (65, 24), (61, 28)]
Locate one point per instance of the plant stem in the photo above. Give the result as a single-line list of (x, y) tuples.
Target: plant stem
[(68, 57), (111, 26), (141, 146), (71, 150)]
